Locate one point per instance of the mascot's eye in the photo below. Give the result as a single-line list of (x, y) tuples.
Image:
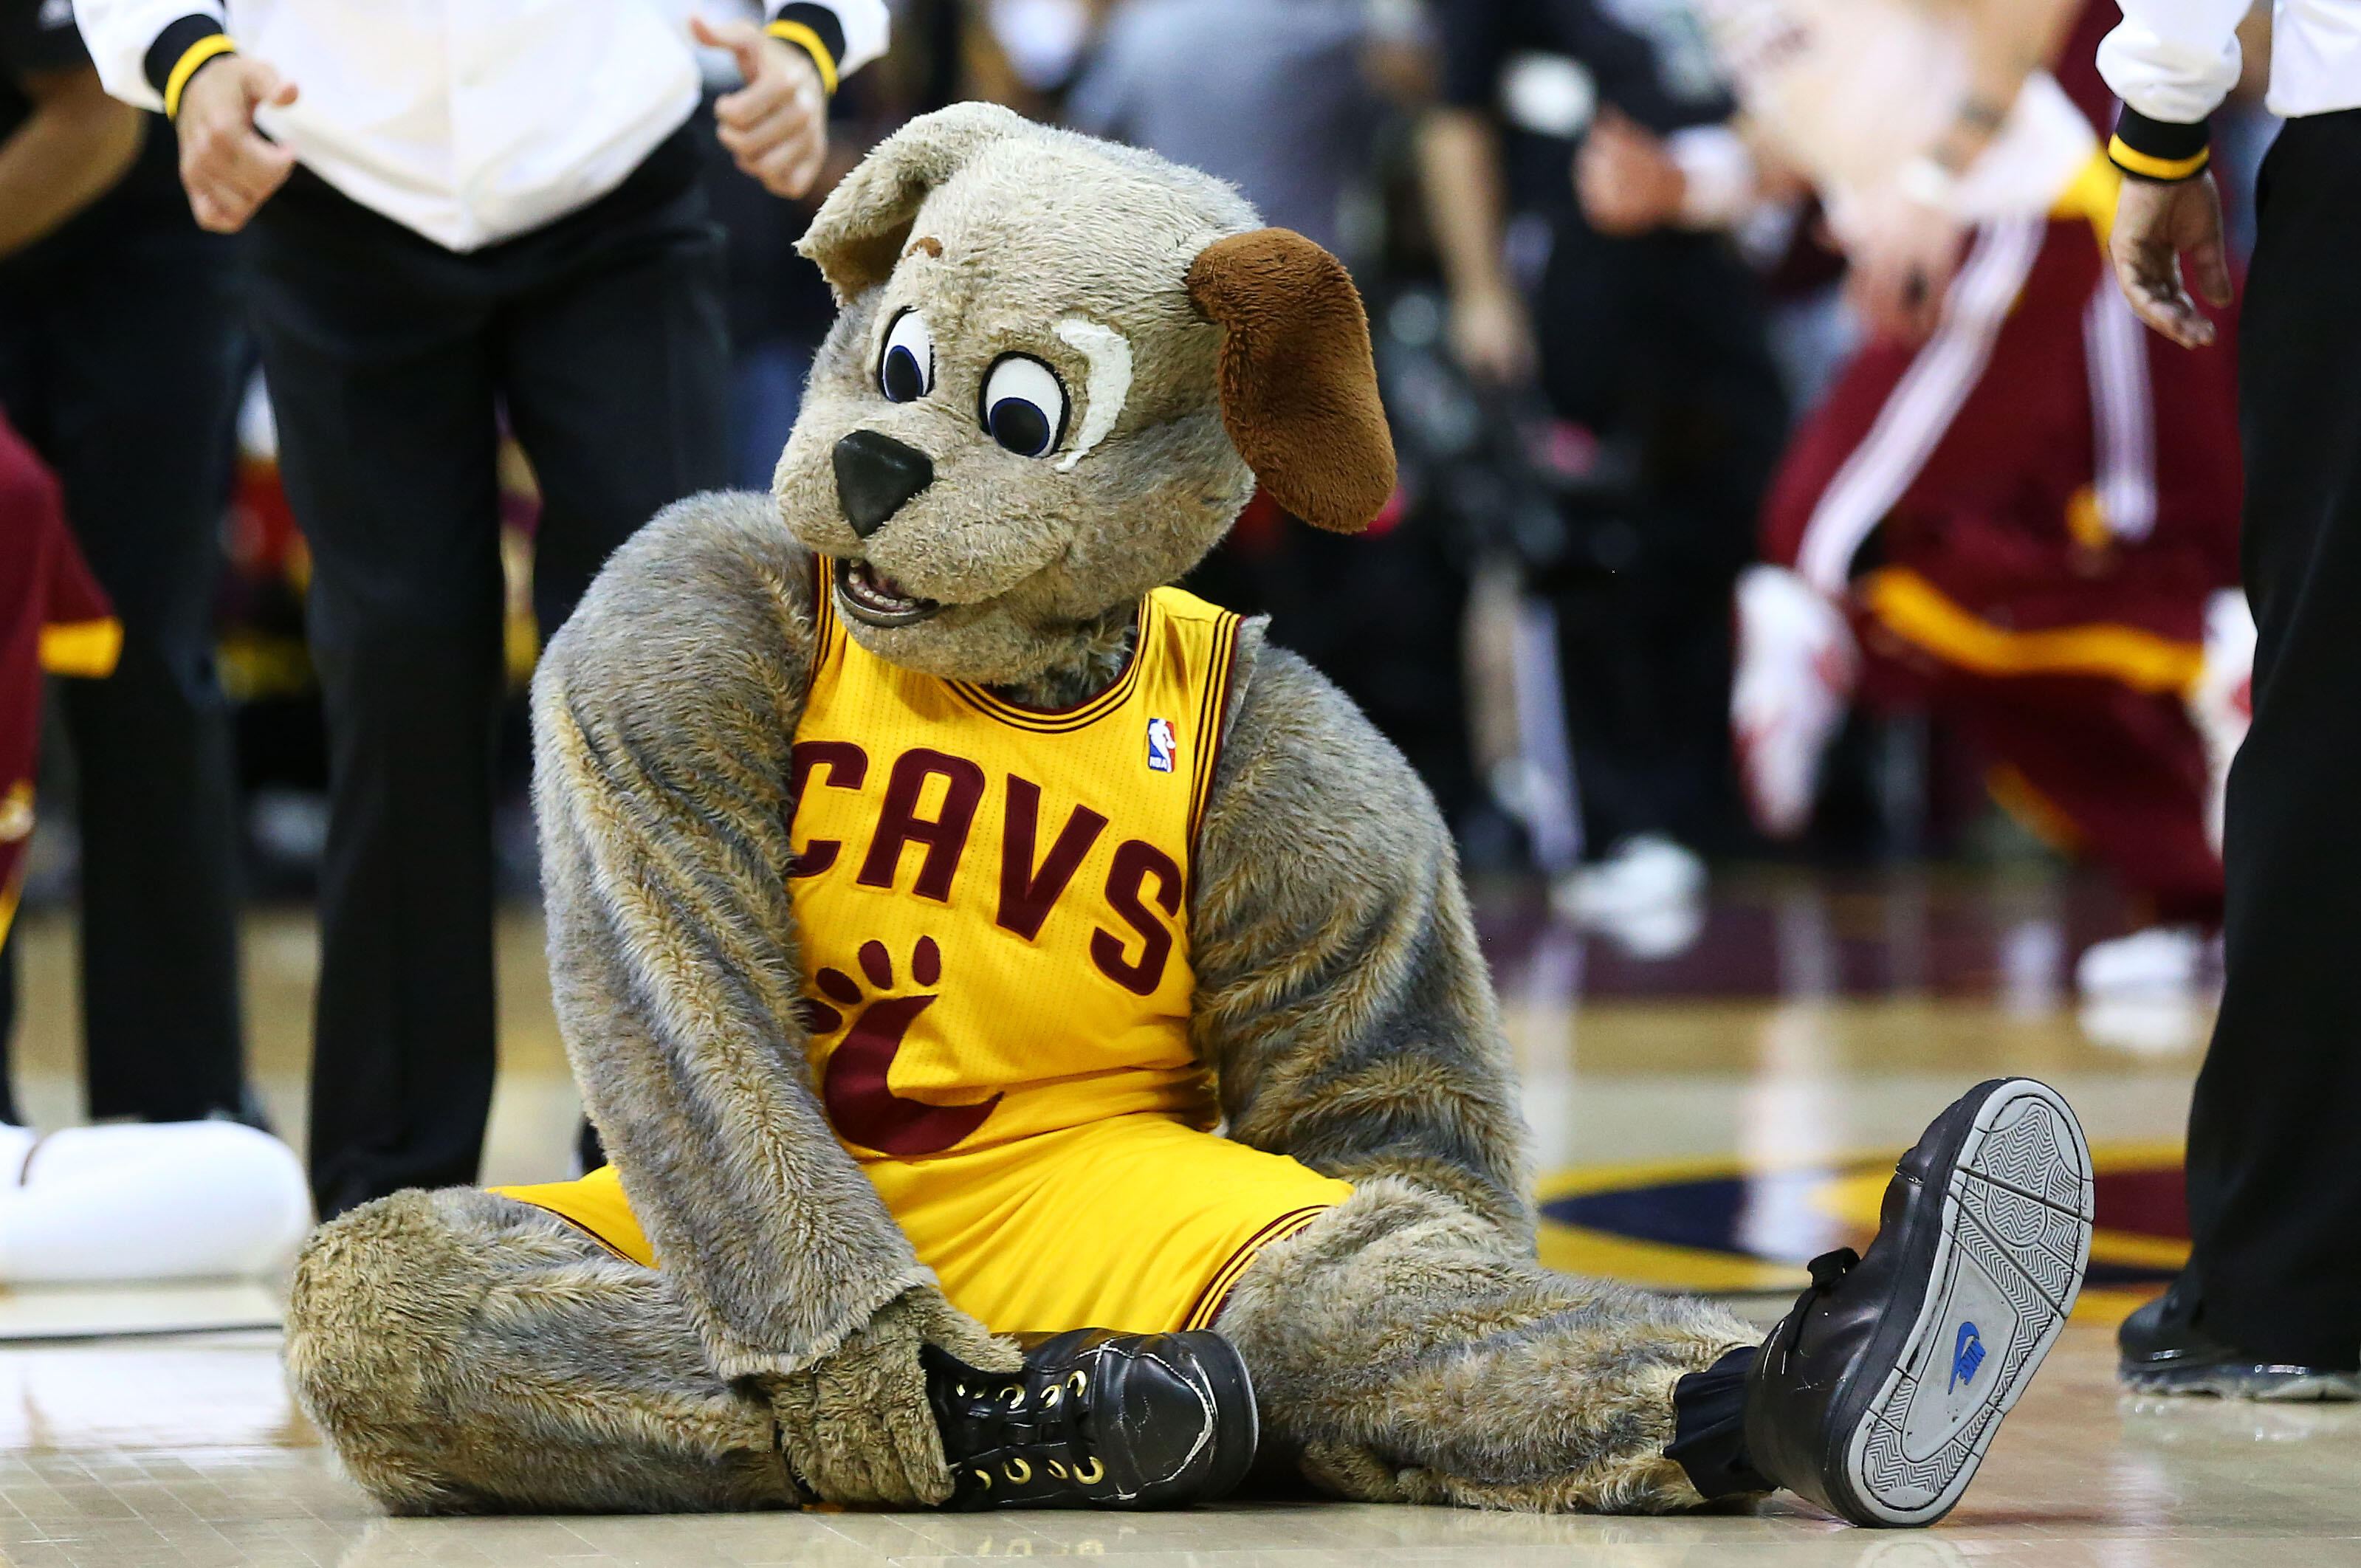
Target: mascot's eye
[(1024, 405), (906, 373)]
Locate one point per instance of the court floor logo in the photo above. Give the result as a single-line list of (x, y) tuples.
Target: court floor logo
[(1724, 1227)]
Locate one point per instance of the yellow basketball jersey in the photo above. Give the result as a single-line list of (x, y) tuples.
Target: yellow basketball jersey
[(993, 900), (993, 903)]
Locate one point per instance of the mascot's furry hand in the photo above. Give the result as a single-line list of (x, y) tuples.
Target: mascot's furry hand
[(856, 1425)]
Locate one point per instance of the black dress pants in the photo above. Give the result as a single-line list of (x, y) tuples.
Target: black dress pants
[(2274, 1158), (602, 335), (1660, 346), (121, 360)]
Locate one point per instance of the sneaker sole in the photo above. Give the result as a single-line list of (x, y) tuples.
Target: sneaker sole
[(2007, 1266)]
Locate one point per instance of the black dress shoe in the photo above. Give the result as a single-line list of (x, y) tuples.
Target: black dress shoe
[(1096, 1419), (2164, 1352), (1878, 1394)]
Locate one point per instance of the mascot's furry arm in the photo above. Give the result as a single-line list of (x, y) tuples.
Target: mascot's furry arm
[(1340, 992), (663, 716)]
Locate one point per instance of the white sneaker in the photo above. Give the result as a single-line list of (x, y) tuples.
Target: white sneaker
[(2221, 703), (1797, 664), (2162, 961), (1646, 871), (1666, 931), (1646, 894)]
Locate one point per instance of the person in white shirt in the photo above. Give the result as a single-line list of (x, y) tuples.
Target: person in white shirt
[(2270, 1306), (474, 124), (455, 213)]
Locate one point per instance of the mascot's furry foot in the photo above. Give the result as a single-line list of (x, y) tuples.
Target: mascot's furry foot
[(1878, 1394), (1096, 1419)]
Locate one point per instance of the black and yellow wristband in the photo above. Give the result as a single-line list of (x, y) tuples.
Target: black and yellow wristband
[(815, 30), (177, 53), (2158, 149)]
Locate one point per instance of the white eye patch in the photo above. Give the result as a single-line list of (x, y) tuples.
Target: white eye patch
[(1109, 385)]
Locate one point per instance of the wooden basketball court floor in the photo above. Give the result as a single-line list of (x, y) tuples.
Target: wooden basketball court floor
[(1704, 1120)]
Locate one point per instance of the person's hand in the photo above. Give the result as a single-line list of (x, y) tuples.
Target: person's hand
[(1491, 338), (228, 167), (775, 126), (2156, 223), (1627, 183), (1902, 257)]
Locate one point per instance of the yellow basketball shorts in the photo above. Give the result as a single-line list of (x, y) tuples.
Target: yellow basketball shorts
[(1137, 1222)]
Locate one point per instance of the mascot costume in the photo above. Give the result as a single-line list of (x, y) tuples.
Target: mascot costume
[(1036, 1024)]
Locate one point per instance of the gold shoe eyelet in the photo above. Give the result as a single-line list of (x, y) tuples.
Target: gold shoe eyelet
[(1017, 1399), (1052, 1395), (984, 1476), (1097, 1471), (1057, 1469), (1079, 1381), (1017, 1471)]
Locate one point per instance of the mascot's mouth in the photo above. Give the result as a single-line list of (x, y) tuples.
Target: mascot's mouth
[(878, 601)]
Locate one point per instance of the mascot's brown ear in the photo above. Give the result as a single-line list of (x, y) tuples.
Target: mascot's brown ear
[(858, 234), (1299, 386)]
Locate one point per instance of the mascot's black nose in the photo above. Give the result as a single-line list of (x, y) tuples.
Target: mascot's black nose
[(874, 474)]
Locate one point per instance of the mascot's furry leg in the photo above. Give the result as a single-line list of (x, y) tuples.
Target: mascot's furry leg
[(466, 1353), (1409, 1349), (1412, 1352)]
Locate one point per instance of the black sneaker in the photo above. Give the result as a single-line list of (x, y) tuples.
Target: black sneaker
[(1878, 1394), (1097, 1420), (2164, 1352)]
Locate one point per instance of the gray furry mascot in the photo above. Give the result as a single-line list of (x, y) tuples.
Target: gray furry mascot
[(958, 935)]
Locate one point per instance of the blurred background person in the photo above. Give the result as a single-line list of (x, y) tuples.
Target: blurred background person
[(1650, 348), (2054, 507), (458, 217), (1302, 119), (183, 1199), (1290, 119), (54, 620), (120, 360)]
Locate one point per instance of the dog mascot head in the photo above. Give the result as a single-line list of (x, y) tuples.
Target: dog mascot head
[(1060, 369)]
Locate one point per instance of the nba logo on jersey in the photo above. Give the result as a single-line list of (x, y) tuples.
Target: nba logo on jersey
[(1162, 747)]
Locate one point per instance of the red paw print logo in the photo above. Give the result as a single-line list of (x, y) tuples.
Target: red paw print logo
[(861, 1105)]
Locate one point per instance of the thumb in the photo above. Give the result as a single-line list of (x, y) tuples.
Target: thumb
[(744, 44), (263, 86)]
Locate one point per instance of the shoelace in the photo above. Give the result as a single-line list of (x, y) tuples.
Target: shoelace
[(1827, 1271), (1024, 1425)]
